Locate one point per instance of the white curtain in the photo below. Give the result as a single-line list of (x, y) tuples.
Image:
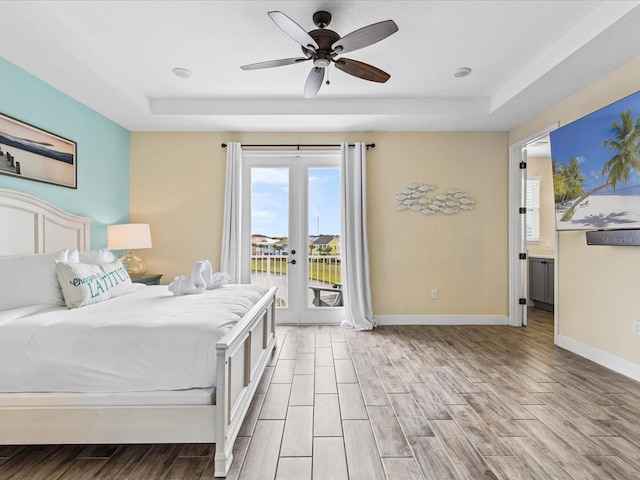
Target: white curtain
[(353, 226), (230, 254)]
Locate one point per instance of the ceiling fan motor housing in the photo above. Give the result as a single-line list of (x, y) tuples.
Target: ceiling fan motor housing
[(324, 38)]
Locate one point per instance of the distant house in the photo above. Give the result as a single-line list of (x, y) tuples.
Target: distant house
[(255, 241), (263, 245), (282, 246), (257, 238), (326, 245)]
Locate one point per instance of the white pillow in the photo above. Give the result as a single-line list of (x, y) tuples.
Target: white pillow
[(30, 280), (71, 255), (84, 284), (95, 257)]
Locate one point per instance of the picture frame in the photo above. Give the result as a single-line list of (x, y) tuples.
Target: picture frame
[(35, 154)]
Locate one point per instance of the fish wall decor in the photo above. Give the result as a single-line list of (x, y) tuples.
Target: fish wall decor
[(416, 198)]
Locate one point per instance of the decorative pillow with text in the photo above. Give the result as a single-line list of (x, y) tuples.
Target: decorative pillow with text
[(83, 284)]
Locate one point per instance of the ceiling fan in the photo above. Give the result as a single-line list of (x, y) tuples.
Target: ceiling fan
[(322, 46)]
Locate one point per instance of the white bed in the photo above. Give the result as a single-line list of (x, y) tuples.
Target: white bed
[(200, 399)]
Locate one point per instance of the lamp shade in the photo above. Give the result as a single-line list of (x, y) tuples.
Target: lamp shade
[(129, 236)]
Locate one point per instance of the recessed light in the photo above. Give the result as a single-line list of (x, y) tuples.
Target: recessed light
[(461, 72), (182, 72)]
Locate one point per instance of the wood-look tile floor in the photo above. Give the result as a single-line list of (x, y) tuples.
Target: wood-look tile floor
[(418, 402)]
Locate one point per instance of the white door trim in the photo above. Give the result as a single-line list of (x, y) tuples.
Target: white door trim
[(517, 268)]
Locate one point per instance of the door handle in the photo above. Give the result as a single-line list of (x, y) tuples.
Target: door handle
[(292, 262)]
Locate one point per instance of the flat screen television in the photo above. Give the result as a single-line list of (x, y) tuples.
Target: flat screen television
[(596, 168)]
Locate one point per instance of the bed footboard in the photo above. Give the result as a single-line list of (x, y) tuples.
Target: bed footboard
[(242, 356)]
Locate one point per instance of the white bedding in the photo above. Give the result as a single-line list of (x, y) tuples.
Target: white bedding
[(148, 340)]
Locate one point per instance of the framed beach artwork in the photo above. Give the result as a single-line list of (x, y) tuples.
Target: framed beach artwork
[(35, 154), (596, 169)]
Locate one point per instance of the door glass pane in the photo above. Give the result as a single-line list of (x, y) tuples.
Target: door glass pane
[(324, 274), (270, 230)]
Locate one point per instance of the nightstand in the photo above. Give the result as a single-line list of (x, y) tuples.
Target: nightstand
[(147, 278)]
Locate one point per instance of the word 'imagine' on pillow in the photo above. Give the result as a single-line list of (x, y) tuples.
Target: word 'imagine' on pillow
[(83, 284)]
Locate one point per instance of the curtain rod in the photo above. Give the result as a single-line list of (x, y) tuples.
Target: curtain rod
[(299, 145)]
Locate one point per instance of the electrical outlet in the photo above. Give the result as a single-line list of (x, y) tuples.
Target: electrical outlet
[(636, 327), (434, 294)]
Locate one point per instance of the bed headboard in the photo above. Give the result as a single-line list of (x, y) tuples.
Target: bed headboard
[(30, 225)]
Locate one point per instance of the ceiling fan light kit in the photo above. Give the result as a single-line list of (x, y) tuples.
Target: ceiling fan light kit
[(322, 60), (322, 46)]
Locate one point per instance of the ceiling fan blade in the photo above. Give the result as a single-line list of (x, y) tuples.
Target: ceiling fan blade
[(314, 82), (365, 36), (294, 30), (362, 70), (274, 63)]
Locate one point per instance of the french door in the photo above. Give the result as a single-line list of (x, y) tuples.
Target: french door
[(291, 232)]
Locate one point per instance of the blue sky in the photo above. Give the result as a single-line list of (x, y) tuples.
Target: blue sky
[(270, 201), (583, 139)]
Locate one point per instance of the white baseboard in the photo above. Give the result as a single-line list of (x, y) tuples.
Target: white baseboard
[(441, 319), (617, 364)]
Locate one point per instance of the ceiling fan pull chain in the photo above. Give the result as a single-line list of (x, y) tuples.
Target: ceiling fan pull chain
[(327, 82)]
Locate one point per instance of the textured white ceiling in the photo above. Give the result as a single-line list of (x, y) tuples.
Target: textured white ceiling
[(117, 57)]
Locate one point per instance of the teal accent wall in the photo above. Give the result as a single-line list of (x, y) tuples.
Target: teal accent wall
[(102, 150)]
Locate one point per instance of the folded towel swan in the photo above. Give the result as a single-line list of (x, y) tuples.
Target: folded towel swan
[(202, 278), (183, 286)]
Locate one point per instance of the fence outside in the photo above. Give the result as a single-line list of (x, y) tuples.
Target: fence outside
[(322, 268)]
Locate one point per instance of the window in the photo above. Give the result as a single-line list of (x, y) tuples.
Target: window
[(533, 209)]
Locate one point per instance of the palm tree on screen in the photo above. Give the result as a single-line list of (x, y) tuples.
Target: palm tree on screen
[(567, 180), (626, 143)]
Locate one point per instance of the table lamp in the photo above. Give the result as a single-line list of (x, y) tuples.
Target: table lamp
[(130, 236)]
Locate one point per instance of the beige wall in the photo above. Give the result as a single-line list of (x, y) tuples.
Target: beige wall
[(598, 286), (177, 185)]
